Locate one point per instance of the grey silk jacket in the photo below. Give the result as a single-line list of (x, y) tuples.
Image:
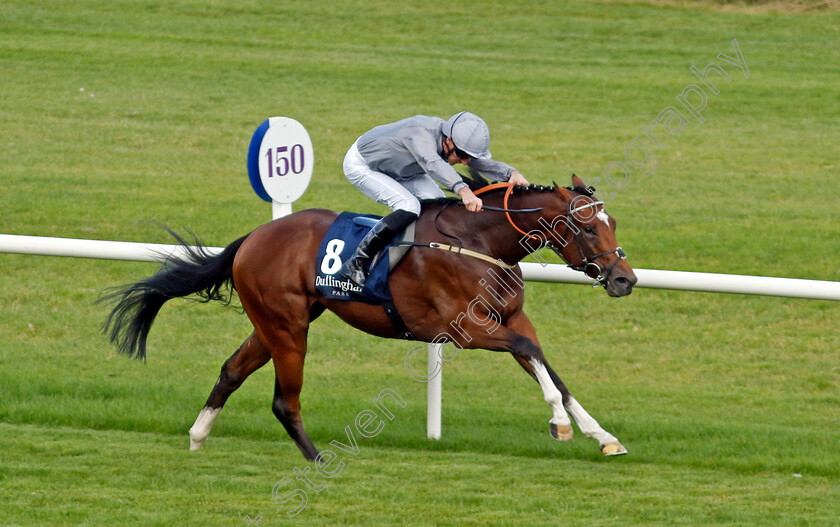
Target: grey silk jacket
[(413, 147)]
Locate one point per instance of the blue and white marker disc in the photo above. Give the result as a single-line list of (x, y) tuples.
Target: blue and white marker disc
[(280, 160)]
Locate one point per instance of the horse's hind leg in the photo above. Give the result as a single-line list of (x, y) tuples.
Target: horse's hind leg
[(250, 356), (288, 366)]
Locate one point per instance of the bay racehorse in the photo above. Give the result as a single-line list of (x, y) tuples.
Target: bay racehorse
[(272, 270)]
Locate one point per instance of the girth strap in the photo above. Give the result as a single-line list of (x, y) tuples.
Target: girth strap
[(397, 320), (391, 309)]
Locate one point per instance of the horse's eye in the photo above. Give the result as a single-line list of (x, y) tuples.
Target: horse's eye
[(588, 230)]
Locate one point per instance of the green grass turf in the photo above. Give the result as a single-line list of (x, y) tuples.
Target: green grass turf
[(115, 116)]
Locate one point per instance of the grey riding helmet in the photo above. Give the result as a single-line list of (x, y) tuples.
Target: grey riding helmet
[(470, 134)]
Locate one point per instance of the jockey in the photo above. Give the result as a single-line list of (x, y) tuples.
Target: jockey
[(400, 163)]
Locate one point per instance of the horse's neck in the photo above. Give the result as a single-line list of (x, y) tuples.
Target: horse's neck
[(488, 232), (508, 234)]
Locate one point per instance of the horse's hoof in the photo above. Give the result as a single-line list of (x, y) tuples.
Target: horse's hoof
[(196, 445), (562, 432), (613, 449)]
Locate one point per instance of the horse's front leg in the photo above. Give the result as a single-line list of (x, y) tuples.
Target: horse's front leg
[(530, 356)]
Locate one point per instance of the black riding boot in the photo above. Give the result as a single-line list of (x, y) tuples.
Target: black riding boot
[(356, 268)]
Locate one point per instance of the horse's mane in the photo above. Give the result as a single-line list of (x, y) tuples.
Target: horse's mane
[(518, 189), (476, 182), (586, 191)]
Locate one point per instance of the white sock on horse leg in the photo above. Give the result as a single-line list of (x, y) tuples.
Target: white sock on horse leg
[(587, 424), (551, 394), (203, 424)]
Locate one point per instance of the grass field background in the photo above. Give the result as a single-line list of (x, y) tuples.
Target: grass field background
[(118, 116)]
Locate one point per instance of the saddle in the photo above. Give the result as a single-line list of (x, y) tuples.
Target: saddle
[(339, 244)]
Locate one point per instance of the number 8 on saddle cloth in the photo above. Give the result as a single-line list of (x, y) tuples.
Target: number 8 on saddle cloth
[(339, 244)]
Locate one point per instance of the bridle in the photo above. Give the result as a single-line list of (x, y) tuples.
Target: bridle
[(603, 274)]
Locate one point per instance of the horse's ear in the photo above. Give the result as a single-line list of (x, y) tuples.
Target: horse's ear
[(564, 191), (577, 182)]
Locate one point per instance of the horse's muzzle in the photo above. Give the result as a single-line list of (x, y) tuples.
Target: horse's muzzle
[(621, 282), (617, 278)]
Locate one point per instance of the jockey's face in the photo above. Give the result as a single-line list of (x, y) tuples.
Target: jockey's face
[(452, 155)]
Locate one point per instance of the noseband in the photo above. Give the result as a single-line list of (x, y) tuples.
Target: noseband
[(602, 276)]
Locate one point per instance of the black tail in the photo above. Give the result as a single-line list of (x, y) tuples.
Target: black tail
[(210, 276)]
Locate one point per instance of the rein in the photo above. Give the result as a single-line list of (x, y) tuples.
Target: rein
[(468, 252), (500, 209), (508, 192)]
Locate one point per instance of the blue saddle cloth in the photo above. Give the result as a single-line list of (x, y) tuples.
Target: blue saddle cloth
[(338, 246)]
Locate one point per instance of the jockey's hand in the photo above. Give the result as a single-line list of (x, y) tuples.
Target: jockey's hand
[(472, 202), (518, 179)]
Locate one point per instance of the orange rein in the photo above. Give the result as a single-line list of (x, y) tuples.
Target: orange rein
[(509, 191)]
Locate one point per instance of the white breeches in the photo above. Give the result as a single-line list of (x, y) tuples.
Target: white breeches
[(397, 195)]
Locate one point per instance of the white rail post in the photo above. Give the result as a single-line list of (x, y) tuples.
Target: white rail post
[(434, 391)]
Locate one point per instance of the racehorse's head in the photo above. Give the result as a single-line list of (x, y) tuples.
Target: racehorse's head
[(583, 234)]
